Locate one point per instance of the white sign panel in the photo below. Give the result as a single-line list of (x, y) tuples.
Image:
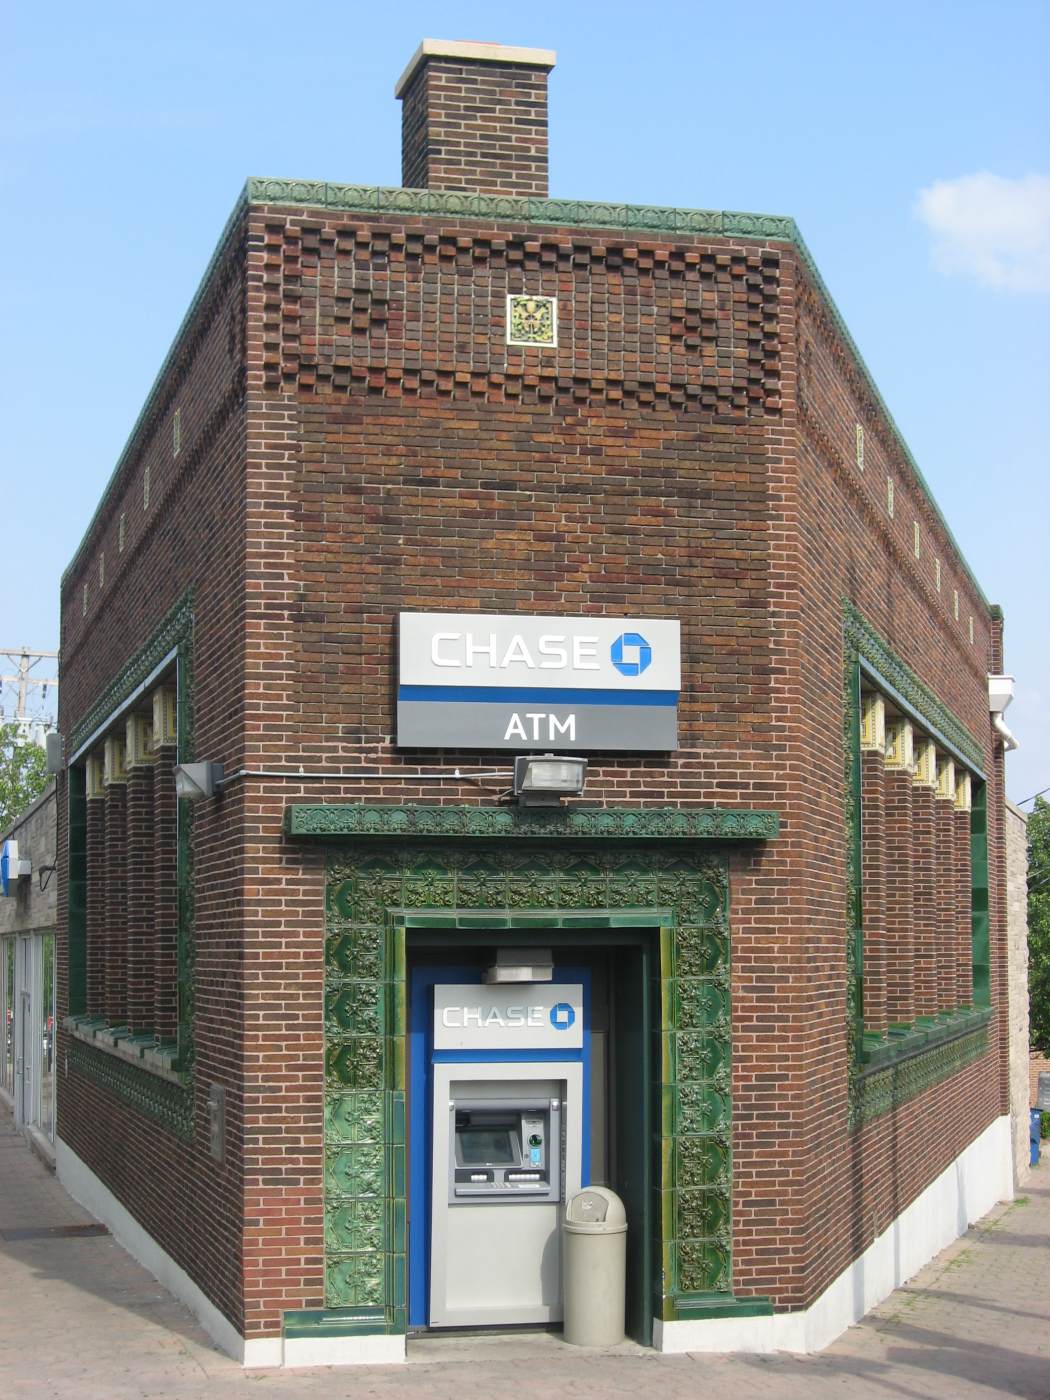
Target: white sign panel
[(488, 680), (526, 1016)]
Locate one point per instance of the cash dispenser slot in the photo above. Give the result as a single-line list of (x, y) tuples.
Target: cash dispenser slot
[(505, 1151)]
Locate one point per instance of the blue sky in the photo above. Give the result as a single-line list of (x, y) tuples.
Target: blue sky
[(911, 142)]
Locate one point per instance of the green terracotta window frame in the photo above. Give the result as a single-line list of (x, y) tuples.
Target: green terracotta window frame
[(886, 1072), (162, 1090)]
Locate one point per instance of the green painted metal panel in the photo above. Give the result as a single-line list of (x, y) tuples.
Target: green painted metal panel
[(979, 910), (76, 894)]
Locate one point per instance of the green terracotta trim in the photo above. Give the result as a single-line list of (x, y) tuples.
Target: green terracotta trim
[(335, 1322), (884, 1089), (338, 821), (700, 1307), (863, 643), (171, 1104), (173, 634), (854, 886), (375, 890), (901, 1044)]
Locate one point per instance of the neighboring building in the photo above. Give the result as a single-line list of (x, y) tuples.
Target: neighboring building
[(618, 484), (28, 909)]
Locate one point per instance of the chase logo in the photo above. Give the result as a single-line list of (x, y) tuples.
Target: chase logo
[(631, 654), (562, 1016)]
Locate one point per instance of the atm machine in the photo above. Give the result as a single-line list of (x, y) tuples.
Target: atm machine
[(508, 1085)]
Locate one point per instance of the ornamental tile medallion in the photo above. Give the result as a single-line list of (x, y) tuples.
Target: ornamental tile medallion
[(532, 320)]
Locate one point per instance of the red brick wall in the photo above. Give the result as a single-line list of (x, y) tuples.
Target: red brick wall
[(190, 533), (852, 1185)]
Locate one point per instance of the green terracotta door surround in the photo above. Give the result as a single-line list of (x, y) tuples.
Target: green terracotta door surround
[(668, 896)]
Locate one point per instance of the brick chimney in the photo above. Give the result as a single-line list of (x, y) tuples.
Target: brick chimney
[(474, 117)]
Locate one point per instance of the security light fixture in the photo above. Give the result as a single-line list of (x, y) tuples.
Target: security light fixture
[(197, 780), (542, 781)]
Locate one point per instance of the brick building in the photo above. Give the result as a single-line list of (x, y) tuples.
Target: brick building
[(463, 405)]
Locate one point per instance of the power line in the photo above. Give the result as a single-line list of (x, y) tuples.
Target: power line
[(1033, 797)]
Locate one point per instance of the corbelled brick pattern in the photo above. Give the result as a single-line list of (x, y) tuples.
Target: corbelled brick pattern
[(397, 312), (475, 126)]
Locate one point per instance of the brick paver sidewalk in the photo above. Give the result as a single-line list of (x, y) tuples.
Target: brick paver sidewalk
[(78, 1317)]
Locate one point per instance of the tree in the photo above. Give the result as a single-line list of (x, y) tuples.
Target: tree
[(23, 773), (1039, 925)]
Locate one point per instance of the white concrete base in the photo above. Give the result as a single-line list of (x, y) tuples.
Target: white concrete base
[(377, 1350), (93, 1194), (980, 1177)]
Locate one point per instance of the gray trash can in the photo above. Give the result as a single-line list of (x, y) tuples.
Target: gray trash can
[(594, 1253)]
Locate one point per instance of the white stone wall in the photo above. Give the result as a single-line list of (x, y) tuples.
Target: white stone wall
[(1017, 978)]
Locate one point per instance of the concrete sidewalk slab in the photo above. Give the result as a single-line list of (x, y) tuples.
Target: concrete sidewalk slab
[(78, 1316)]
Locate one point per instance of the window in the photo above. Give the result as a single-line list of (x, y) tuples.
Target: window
[(129, 931), (918, 874)]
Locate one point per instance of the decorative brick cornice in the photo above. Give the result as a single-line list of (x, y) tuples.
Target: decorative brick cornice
[(625, 219), (559, 213), (336, 821), (563, 213)]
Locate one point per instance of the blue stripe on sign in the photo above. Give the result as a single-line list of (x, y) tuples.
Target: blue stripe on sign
[(485, 1057), (517, 695)]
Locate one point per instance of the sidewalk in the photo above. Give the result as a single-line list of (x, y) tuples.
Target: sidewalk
[(79, 1317)]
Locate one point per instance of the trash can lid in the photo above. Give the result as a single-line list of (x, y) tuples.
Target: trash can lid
[(595, 1209)]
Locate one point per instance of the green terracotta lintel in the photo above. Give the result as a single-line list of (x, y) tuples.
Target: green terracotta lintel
[(339, 821)]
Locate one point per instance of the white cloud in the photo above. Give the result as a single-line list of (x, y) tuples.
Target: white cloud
[(994, 230)]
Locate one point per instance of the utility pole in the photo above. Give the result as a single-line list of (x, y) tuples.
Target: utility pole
[(25, 659)]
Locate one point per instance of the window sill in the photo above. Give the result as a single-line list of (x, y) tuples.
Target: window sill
[(879, 1051), (139, 1050)]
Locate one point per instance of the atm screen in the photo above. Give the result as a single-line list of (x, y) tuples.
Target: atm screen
[(486, 1147)]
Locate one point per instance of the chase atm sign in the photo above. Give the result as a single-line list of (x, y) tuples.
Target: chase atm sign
[(489, 681)]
